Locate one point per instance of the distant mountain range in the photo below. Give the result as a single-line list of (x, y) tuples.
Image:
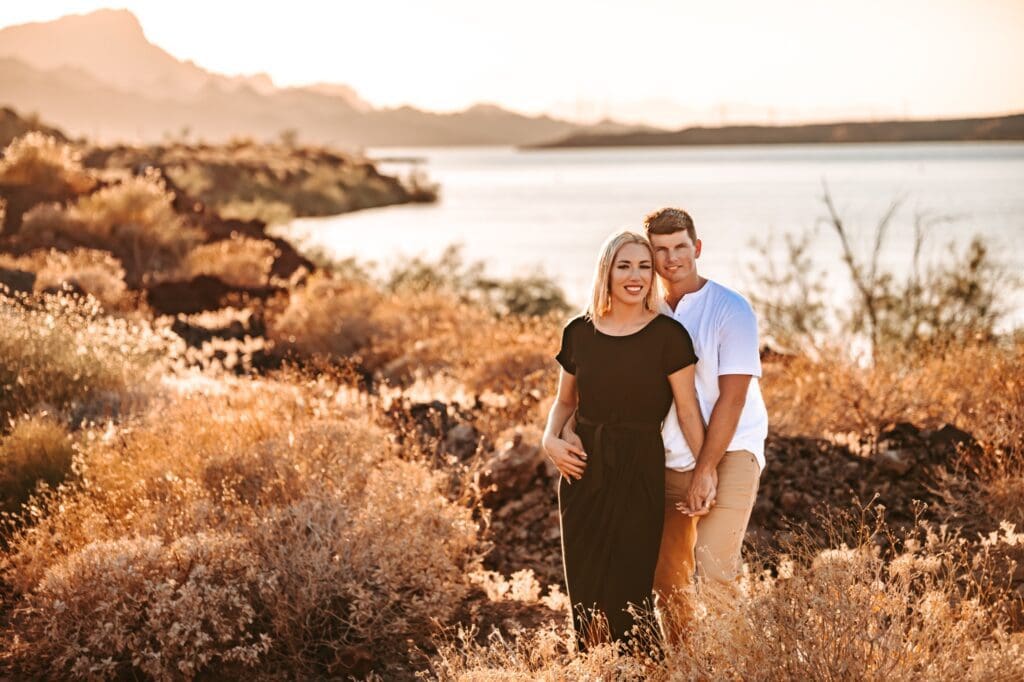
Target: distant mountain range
[(97, 75), (964, 129)]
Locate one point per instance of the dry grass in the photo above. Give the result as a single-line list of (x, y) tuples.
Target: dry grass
[(45, 164), (291, 526), (239, 261), (415, 334), (240, 530), (60, 352), (38, 448), (275, 526), (977, 387), (97, 273), (935, 610), (134, 220)]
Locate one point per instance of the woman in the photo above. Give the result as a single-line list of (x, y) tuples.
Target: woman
[(622, 365)]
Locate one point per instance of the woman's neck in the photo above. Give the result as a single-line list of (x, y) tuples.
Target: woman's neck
[(625, 314)]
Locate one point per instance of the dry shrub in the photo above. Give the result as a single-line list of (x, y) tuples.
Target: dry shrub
[(62, 352), (362, 574), (135, 220), (37, 449), (97, 273), (240, 261), (510, 371), (281, 500), (935, 610), (326, 317), (419, 333), (336, 317), (977, 387), (45, 164), (138, 604)]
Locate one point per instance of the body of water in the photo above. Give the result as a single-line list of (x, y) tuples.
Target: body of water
[(519, 211)]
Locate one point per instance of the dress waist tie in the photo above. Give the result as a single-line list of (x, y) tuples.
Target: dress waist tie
[(599, 455)]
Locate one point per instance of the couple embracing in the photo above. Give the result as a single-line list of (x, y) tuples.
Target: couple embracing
[(658, 430)]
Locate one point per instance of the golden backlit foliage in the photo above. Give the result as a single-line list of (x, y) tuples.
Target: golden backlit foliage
[(239, 261), (44, 164), (61, 353), (38, 448), (94, 272), (229, 525), (414, 333), (936, 609), (134, 220), (242, 528)]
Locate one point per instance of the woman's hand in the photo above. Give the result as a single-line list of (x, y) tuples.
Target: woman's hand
[(703, 490), (569, 459)]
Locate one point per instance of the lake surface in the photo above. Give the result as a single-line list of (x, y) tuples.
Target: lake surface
[(523, 210)]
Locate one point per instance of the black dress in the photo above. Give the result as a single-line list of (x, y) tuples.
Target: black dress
[(612, 517)]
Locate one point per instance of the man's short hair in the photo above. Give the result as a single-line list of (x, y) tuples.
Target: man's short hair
[(669, 220)]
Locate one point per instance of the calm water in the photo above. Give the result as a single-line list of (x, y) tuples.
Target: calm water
[(520, 211)]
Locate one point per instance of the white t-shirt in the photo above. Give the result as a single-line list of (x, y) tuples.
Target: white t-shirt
[(723, 327)]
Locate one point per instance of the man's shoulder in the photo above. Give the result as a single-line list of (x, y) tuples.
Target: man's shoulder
[(729, 299)]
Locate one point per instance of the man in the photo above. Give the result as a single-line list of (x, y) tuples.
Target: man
[(710, 493)]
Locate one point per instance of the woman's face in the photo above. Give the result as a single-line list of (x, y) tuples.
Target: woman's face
[(632, 274)]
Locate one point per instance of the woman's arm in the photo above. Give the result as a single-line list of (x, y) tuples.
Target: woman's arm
[(684, 392), (568, 458)]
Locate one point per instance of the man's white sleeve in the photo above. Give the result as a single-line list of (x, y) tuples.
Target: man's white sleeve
[(738, 348)]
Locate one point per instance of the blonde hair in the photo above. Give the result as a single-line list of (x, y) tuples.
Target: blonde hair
[(600, 296)]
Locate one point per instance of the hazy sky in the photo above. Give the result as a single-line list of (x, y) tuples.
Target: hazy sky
[(669, 63)]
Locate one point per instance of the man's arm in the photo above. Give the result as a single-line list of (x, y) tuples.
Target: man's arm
[(738, 361), (725, 416)]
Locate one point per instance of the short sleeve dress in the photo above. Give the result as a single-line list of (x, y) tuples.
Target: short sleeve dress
[(611, 519)]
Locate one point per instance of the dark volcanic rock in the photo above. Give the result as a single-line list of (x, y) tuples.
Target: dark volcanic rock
[(804, 478), (515, 468), (196, 335), (19, 281), (199, 294), (895, 461)]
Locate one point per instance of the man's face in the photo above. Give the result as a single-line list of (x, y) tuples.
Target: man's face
[(675, 256)]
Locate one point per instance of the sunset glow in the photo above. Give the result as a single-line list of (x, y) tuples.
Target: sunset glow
[(665, 63)]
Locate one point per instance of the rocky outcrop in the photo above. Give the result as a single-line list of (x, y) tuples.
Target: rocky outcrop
[(13, 126), (804, 477), (200, 294)]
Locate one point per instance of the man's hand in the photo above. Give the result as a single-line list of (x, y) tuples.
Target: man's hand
[(569, 459), (701, 497)]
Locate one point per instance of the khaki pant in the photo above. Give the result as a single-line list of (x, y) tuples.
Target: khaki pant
[(708, 545)]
